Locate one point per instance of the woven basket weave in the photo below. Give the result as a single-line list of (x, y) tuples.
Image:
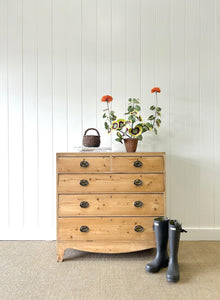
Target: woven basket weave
[(91, 140)]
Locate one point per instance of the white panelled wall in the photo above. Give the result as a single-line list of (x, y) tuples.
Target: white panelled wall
[(59, 57)]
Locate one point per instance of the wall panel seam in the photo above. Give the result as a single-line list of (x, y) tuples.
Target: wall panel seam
[(52, 102), (22, 95), (37, 92), (8, 122)]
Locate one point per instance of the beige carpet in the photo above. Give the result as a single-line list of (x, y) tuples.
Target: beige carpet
[(29, 271)]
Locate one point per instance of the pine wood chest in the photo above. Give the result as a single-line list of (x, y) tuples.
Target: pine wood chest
[(106, 202)]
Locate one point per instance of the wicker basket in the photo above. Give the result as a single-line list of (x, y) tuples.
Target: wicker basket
[(91, 140)]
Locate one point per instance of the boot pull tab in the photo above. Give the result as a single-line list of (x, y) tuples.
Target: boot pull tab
[(180, 226)]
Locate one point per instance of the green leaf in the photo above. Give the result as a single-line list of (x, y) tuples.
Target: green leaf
[(119, 135), (159, 114), (155, 130), (158, 123), (158, 109), (140, 137), (118, 140), (129, 99), (104, 115), (113, 117), (136, 101), (106, 125), (152, 107), (151, 118), (132, 119), (137, 107), (149, 125), (130, 108)]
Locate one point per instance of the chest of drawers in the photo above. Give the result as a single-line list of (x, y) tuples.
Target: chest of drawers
[(106, 202)]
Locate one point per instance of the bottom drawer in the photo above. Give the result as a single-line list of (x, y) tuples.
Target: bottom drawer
[(106, 228)]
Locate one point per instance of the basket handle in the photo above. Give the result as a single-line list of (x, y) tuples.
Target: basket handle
[(91, 129)]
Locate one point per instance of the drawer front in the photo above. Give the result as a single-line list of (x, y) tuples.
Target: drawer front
[(83, 164), (137, 164), (105, 183), (111, 205), (106, 228)]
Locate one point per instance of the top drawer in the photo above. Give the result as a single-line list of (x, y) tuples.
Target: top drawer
[(137, 164), (82, 164)]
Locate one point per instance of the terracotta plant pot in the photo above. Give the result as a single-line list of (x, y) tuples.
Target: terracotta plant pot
[(131, 144)]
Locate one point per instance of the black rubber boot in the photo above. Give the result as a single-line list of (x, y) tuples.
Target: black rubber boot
[(175, 229), (161, 233)]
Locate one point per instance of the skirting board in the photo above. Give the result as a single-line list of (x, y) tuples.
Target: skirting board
[(20, 234), (193, 234), (201, 234)]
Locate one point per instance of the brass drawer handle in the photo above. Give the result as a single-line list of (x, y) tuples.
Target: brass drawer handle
[(83, 182), (137, 164), (84, 204), (138, 182), (84, 228), (138, 203), (84, 164), (139, 228)]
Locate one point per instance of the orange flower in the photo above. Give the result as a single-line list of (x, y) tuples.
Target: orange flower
[(107, 98), (156, 89)]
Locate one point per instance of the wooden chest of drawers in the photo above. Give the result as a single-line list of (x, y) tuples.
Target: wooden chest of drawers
[(106, 202)]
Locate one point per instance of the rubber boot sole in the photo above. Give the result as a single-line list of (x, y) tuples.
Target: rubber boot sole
[(164, 265), (172, 279)]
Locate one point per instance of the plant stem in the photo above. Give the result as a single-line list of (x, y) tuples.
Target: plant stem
[(132, 126), (155, 111), (109, 113)]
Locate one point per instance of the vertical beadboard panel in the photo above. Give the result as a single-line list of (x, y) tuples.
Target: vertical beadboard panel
[(30, 113), (133, 44), (104, 60), (162, 65), (119, 63), (74, 73), (133, 49), (162, 79), (216, 115), (15, 94), (4, 111), (60, 91), (45, 115), (207, 100), (148, 47), (60, 103), (89, 64), (192, 104), (177, 111)]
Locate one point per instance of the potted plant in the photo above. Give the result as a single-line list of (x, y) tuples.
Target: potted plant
[(131, 128)]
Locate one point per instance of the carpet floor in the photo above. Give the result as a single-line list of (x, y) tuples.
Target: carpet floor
[(29, 271)]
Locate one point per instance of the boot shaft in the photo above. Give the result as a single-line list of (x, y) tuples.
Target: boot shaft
[(161, 232), (175, 230), (160, 227)]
